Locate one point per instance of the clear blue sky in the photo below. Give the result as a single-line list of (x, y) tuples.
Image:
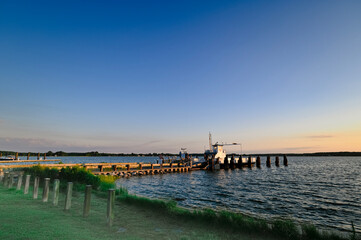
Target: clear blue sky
[(155, 76)]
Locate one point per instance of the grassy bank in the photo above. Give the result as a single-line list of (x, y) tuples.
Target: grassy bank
[(147, 218)]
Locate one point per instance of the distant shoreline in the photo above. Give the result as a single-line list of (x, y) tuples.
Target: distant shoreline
[(97, 154)]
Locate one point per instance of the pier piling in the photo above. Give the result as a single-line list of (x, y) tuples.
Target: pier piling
[(258, 162), (232, 163), (38, 158), (28, 157), (226, 165), (268, 161), (277, 161), (285, 161), (250, 162)]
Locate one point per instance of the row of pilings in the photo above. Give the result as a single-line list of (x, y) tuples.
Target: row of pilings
[(232, 164)]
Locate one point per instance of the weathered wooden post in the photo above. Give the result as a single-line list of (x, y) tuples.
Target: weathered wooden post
[(56, 192), (239, 163), (268, 161), (20, 182), (69, 192), (226, 166), (277, 161), (1, 154), (285, 161), (258, 161), (44, 156), (250, 161), (140, 166), (5, 179), (36, 187), (11, 180), (16, 156), (151, 166), (88, 192), (100, 168), (46, 190), (27, 183), (38, 156), (28, 157), (110, 207), (232, 164), (128, 167)]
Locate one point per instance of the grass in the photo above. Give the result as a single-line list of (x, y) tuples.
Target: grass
[(22, 217), (148, 218)]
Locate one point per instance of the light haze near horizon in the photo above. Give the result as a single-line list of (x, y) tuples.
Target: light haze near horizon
[(155, 76)]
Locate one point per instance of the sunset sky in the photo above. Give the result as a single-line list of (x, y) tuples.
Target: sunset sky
[(155, 76)]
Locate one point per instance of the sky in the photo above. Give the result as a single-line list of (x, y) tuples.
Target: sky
[(155, 76)]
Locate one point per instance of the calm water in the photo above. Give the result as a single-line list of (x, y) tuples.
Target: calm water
[(323, 190)]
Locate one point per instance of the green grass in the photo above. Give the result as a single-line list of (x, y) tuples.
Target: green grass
[(22, 217), (209, 224)]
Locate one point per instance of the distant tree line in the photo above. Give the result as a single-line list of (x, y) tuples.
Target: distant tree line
[(98, 154), (86, 154)]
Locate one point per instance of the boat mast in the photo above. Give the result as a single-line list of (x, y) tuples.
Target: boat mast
[(210, 141)]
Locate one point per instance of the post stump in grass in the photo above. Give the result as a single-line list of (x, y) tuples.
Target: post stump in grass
[(110, 207), (56, 192), (88, 192), (27, 183), (11, 180), (5, 180), (20, 182), (69, 192), (36, 187), (46, 189)]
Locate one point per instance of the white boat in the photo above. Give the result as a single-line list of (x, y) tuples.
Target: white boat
[(8, 158), (219, 154)]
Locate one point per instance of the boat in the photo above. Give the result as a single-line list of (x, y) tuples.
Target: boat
[(8, 158), (217, 158)]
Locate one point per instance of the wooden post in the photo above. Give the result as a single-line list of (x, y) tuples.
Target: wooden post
[(5, 179), (69, 192), (100, 168), (46, 190), (250, 161), (110, 207), (151, 166), (44, 156), (16, 156), (226, 164), (277, 162), (258, 161), (56, 192), (285, 161), (114, 168), (27, 183), (232, 164), (268, 161), (36, 187), (38, 156), (28, 156), (20, 182), (1, 154), (11, 180), (88, 192), (128, 167)]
